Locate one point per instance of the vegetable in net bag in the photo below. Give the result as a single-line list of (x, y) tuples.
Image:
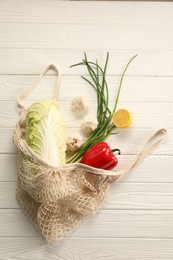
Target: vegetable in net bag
[(57, 196)]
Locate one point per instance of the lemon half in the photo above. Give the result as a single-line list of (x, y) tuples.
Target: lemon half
[(122, 118)]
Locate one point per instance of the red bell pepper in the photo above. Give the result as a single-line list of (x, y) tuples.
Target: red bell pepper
[(100, 156)]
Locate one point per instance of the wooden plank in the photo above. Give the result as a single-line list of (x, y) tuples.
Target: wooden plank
[(128, 140), (137, 220), (75, 37), (140, 196), (112, 224), (55, 12), (144, 114), (32, 61), (8, 164), (6, 142), (154, 169), (86, 248), (122, 196), (134, 89)]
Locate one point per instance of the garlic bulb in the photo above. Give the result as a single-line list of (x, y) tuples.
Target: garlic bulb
[(79, 104), (74, 142), (89, 124)]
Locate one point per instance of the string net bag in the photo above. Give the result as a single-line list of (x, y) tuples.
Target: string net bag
[(57, 199)]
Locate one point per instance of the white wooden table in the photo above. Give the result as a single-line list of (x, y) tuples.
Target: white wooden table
[(137, 222)]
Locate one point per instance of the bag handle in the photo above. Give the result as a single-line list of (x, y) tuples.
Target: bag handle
[(148, 145), (25, 94)]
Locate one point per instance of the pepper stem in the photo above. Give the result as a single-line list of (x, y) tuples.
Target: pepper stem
[(116, 150)]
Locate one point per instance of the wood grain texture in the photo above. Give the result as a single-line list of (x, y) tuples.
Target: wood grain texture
[(33, 36), (111, 224), (86, 249), (121, 196), (134, 89), (136, 223), (32, 61), (61, 36), (87, 13)]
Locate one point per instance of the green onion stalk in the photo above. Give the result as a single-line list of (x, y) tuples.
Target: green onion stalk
[(104, 114)]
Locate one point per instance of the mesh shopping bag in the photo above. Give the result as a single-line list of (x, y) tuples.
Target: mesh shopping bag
[(56, 199)]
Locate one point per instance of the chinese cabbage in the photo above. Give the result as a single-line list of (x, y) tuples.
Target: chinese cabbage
[(46, 131)]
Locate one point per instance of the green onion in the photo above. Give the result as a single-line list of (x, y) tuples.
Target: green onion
[(104, 114)]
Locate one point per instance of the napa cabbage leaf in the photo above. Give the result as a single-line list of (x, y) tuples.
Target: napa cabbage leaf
[(46, 131)]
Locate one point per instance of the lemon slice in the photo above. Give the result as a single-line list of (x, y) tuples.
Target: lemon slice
[(122, 118)]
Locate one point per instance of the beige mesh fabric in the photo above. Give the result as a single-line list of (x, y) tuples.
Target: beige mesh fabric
[(57, 199), (54, 199)]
